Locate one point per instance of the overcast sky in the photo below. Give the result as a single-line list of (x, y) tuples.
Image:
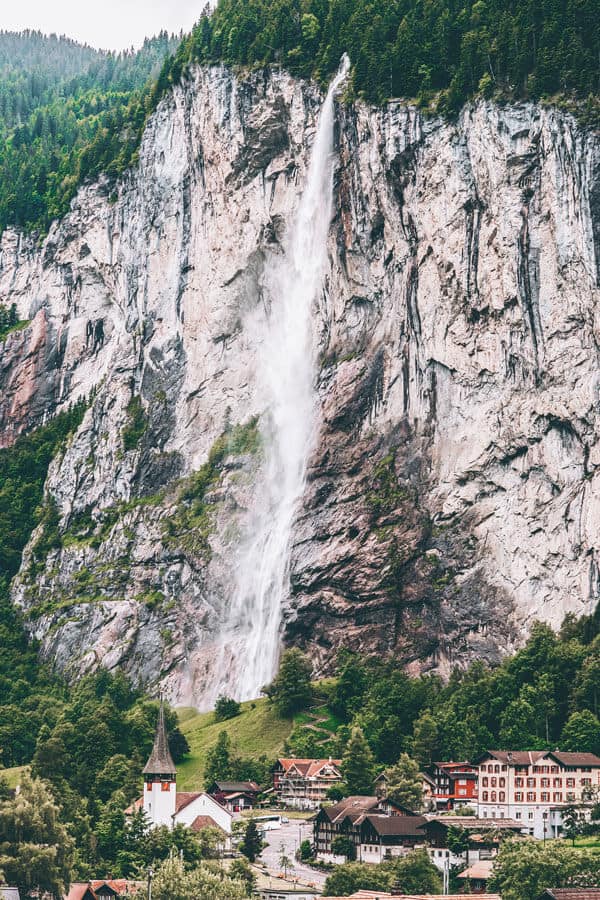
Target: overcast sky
[(110, 24)]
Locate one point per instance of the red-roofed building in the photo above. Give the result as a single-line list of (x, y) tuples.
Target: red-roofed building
[(455, 784), (100, 889), (163, 804), (303, 783)]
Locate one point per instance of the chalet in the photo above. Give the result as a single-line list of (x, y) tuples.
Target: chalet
[(485, 837), (535, 786), (454, 784), (304, 783), (476, 877), (113, 889), (378, 828), (235, 795), (163, 804)]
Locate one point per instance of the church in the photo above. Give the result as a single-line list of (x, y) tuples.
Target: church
[(163, 804)]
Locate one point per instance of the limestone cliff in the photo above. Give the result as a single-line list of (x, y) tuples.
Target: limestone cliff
[(453, 495)]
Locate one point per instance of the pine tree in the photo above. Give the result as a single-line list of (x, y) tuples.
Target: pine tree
[(358, 764), (405, 783), (251, 844)]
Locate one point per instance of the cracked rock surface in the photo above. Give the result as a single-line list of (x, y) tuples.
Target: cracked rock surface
[(453, 494)]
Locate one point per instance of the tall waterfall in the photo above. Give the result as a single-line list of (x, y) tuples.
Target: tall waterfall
[(287, 379)]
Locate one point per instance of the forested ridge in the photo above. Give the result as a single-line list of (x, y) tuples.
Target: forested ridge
[(67, 112)]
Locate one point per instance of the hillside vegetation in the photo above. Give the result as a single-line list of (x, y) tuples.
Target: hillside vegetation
[(255, 732), (69, 112)]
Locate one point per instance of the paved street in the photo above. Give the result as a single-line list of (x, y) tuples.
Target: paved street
[(290, 836)]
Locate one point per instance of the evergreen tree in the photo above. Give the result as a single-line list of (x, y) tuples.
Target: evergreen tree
[(581, 733), (358, 764), (218, 760), (291, 691), (251, 844), (405, 783)]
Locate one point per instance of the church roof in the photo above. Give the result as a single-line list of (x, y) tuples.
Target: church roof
[(161, 761)]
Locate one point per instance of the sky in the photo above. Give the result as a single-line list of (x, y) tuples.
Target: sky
[(109, 24)]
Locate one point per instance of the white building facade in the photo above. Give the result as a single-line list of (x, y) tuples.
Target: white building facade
[(535, 787), (164, 805)]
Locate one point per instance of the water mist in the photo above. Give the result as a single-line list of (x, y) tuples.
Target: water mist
[(287, 380)]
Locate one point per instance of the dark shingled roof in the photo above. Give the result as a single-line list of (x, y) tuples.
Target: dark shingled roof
[(161, 761), (398, 825)]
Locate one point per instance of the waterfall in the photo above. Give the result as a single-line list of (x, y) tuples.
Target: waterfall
[(287, 379)]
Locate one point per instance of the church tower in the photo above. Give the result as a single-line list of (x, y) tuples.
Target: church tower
[(160, 778)]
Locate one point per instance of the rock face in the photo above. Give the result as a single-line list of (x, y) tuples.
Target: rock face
[(454, 491)]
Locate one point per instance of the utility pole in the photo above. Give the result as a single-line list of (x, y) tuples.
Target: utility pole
[(150, 877)]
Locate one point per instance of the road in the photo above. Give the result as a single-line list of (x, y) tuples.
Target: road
[(290, 836)]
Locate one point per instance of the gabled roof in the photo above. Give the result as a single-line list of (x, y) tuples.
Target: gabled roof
[(575, 759), (513, 757), (184, 798), (308, 768), (161, 761), (355, 805), (397, 825), (201, 822), (230, 787), (472, 823), (481, 869)]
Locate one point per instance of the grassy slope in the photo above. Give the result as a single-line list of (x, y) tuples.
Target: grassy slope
[(13, 776), (257, 730)]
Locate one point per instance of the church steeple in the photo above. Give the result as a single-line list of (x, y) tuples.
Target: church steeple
[(160, 774), (160, 761)]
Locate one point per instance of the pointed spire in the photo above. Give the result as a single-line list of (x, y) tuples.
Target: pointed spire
[(161, 761)]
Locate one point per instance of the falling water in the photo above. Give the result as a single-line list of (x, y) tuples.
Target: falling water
[(287, 378)]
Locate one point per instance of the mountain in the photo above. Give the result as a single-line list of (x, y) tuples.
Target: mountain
[(66, 110), (450, 494)]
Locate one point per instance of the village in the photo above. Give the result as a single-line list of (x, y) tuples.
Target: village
[(301, 834)]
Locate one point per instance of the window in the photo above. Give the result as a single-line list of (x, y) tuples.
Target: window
[(530, 815), (502, 782), (518, 815), (496, 768), (545, 797), (484, 796), (531, 796), (586, 782), (570, 796), (518, 797), (545, 782), (554, 769), (519, 782), (494, 780), (557, 797), (557, 782), (165, 786), (531, 782), (537, 769), (570, 782), (493, 796), (502, 797), (484, 781), (504, 768)]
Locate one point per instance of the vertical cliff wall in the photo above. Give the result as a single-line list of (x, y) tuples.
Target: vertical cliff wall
[(452, 496)]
